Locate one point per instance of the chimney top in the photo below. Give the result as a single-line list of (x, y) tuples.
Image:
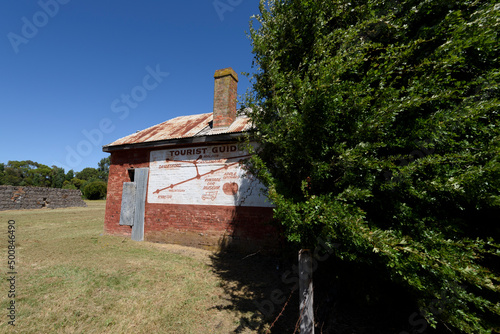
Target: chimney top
[(225, 93), (226, 71)]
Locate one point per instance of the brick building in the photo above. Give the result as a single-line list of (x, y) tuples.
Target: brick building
[(182, 181)]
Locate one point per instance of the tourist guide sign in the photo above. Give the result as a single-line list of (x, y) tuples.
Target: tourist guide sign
[(204, 175)]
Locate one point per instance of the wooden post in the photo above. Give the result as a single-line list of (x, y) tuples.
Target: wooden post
[(127, 210), (141, 180), (306, 292)]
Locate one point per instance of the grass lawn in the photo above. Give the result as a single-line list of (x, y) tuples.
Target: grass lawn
[(73, 279)]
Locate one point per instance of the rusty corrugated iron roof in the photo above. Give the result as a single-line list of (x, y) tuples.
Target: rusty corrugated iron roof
[(183, 127)]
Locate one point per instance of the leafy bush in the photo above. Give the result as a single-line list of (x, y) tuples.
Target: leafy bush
[(95, 190), (78, 183), (379, 126), (68, 185)]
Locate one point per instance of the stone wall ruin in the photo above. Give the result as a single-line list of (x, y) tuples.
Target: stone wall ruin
[(20, 198)]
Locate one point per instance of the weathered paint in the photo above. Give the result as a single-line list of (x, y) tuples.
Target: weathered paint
[(141, 180), (201, 195), (306, 292), (128, 204), (244, 227), (182, 127), (204, 175)]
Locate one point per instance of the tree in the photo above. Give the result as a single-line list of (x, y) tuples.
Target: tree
[(379, 130), (70, 175), (88, 174), (2, 173), (14, 173), (69, 185), (30, 173), (103, 168), (40, 176), (78, 183), (27, 173), (57, 177)]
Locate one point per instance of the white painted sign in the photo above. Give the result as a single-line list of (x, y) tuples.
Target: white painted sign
[(205, 175)]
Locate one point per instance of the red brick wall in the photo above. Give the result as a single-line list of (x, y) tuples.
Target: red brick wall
[(195, 225), (225, 95), (118, 173), (207, 225)]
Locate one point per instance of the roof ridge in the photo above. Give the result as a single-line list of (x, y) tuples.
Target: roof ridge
[(186, 126)]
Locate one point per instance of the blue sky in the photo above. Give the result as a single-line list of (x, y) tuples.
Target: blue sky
[(67, 66)]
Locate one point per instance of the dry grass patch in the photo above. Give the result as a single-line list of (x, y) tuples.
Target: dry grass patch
[(73, 279)]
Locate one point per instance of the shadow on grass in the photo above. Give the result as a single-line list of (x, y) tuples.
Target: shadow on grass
[(349, 298), (256, 291)]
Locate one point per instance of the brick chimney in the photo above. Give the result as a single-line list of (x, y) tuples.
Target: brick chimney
[(225, 91)]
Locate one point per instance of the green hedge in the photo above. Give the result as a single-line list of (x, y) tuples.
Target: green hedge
[(95, 190)]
